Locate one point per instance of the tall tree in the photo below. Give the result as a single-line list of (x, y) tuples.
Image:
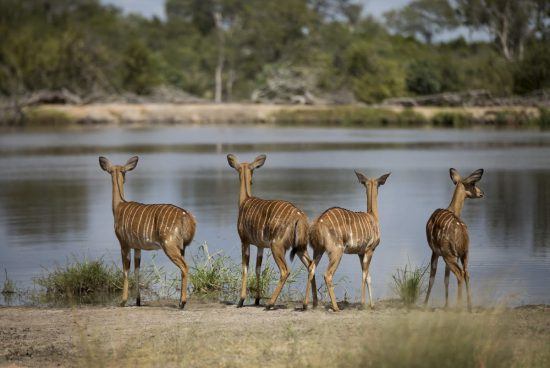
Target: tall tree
[(422, 17), (510, 22)]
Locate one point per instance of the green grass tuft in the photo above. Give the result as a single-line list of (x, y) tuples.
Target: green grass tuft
[(85, 278), (408, 283)]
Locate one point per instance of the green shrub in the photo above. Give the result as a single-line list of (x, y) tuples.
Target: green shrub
[(422, 78), (84, 278), (42, 116), (408, 283)]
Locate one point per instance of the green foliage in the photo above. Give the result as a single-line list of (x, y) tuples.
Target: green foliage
[(544, 119), (83, 277), (90, 48), (408, 283), (422, 78), (452, 120), (139, 69), (533, 72)]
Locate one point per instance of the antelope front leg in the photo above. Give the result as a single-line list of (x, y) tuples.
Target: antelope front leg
[(245, 249), (333, 261), (433, 271), (363, 279), (259, 257), (137, 262), (366, 261), (278, 252), (125, 251)]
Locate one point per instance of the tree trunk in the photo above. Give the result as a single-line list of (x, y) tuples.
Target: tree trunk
[(218, 78)]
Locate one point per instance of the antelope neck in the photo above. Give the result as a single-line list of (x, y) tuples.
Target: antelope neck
[(118, 190), (458, 200), (245, 177), (372, 200)]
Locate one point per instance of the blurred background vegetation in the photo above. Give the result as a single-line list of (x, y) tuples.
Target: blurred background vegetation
[(238, 50)]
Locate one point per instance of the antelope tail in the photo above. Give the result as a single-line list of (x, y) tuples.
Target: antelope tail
[(300, 238)]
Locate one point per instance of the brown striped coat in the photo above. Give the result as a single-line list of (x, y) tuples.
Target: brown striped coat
[(337, 231), (274, 224), (148, 226), (354, 231), (447, 236)]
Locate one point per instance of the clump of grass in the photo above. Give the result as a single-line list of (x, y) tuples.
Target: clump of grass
[(439, 340), (84, 278), (408, 283), (211, 273), (9, 285)]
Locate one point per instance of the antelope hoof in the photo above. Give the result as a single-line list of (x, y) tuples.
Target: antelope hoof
[(304, 307), (138, 302), (240, 303), (123, 303), (315, 304), (257, 301), (269, 306), (182, 305)]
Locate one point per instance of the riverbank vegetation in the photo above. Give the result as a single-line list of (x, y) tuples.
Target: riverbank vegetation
[(294, 51)]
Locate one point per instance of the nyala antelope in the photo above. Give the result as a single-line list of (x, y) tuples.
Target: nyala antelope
[(149, 227), (274, 224), (448, 236), (338, 231)]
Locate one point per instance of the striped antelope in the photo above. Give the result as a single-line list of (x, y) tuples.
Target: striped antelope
[(273, 224), (448, 236), (148, 226), (339, 231)]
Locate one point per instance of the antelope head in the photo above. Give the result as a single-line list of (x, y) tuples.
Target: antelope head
[(245, 170), (371, 185), (468, 186), (118, 174)]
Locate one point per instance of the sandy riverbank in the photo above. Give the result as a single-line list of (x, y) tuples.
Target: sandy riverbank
[(217, 335), (150, 114)]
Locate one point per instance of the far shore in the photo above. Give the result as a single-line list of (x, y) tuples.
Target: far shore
[(360, 116)]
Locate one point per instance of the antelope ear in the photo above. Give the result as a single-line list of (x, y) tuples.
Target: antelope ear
[(474, 177), (131, 164), (382, 180), (362, 177), (105, 164), (258, 162), (233, 162), (455, 176)]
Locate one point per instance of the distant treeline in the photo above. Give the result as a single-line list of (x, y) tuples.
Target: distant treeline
[(234, 50)]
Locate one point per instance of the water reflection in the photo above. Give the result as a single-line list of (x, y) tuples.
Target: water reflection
[(52, 207)]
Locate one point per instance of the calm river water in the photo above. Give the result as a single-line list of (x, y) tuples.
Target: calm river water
[(55, 202)]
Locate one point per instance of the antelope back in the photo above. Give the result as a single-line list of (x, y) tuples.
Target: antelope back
[(148, 226), (447, 234), (261, 221), (354, 230)]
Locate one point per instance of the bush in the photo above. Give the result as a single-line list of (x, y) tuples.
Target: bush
[(422, 78), (84, 278), (9, 285), (408, 283)]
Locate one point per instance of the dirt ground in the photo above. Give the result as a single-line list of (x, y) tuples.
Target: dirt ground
[(219, 335)]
